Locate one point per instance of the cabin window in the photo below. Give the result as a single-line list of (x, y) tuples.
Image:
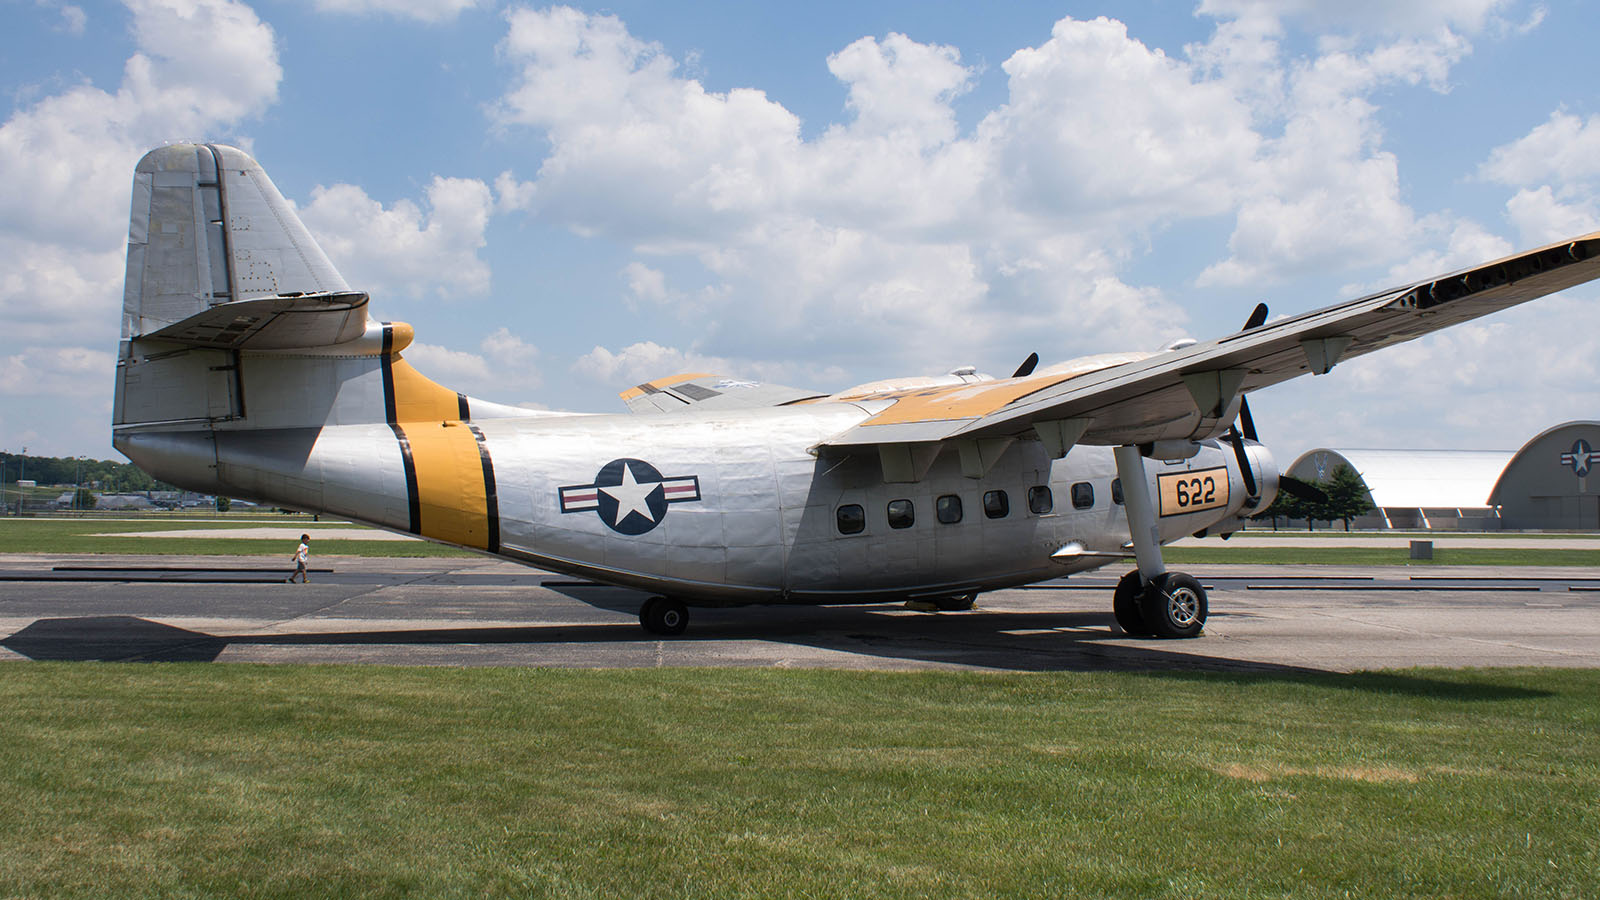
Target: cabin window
[(948, 509), (852, 519), (996, 505), (1040, 500), (1116, 491), (1082, 495), (901, 514)]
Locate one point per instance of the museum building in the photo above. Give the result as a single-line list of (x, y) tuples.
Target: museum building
[(1551, 484)]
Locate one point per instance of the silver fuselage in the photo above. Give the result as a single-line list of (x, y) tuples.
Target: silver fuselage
[(763, 528)]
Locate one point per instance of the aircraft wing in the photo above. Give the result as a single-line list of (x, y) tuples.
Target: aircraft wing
[(702, 391), (1193, 393)]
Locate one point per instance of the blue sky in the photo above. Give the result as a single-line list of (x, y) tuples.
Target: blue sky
[(568, 200)]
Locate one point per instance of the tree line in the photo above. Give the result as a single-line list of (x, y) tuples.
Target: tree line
[(109, 475), (1347, 498)]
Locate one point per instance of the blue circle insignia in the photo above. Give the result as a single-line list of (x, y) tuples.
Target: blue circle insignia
[(630, 495)]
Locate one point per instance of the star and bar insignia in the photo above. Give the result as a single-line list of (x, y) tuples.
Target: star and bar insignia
[(630, 495)]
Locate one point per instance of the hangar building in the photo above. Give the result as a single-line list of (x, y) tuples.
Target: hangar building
[(1551, 484), (1436, 489), (1554, 481)]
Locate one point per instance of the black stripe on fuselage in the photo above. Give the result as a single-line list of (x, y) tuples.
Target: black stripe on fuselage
[(465, 411), (413, 500), (491, 502)]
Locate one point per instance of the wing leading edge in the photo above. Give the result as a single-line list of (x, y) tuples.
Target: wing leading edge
[(1193, 393)]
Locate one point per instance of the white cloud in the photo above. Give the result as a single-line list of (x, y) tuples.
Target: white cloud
[(403, 249), (1565, 148), (73, 18), (71, 371), (421, 10), (1324, 191), (199, 68), (1541, 216), (504, 366), (644, 361), (1562, 157), (645, 283), (1382, 16)]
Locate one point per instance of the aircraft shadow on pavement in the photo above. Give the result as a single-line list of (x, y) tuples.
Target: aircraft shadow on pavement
[(1052, 640), (1016, 641)]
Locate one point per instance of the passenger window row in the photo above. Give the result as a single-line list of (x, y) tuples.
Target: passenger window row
[(851, 518)]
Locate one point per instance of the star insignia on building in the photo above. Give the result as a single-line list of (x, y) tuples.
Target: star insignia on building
[(1581, 458), (630, 495)]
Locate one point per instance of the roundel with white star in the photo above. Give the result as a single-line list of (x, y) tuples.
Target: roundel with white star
[(630, 495)]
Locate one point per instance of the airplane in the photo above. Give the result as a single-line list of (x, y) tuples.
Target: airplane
[(248, 367)]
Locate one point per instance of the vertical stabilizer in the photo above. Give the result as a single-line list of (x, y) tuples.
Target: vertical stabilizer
[(208, 227)]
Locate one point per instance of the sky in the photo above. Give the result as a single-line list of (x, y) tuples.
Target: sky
[(568, 200)]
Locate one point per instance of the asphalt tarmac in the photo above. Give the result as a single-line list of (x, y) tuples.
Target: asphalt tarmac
[(489, 613)]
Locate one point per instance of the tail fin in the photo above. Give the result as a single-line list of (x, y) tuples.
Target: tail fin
[(209, 229)]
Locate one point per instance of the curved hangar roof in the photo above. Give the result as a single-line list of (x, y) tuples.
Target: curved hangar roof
[(1409, 479)]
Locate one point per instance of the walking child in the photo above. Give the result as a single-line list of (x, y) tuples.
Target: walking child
[(301, 553)]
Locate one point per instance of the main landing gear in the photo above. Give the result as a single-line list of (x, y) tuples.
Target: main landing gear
[(1172, 606), (1150, 601), (664, 616)]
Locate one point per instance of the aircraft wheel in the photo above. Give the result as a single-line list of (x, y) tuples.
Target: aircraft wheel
[(958, 603), (1174, 606), (664, 616), (1125, 605)]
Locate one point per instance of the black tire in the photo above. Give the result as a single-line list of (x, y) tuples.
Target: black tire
[(664, 616), (958, 603), (1174, 606), (1125, 605)]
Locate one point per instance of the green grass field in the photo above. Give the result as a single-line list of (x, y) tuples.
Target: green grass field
[(200, 780), (86, 535)]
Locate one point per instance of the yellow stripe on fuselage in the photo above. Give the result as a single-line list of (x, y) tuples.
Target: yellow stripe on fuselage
[(450, 488), (418, 399), (451, 494)]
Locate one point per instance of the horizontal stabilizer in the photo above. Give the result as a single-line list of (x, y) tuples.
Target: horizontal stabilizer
[(273, 323)]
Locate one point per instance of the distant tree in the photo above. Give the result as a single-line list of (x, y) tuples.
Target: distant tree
[(83, 499), (224, 504), (1347, 496)]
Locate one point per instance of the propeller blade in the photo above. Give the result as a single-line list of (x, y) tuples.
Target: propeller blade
[(1305, 490), (1258, 316), (1247, 423), (1027, 366), (1244, 461)]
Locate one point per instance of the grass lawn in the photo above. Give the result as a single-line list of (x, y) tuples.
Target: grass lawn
[(197, 780), (87, 535)]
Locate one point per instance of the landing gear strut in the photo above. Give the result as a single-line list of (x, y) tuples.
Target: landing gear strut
[(664, 616), (1152, 601)]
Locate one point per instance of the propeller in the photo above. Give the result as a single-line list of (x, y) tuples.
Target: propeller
[(1258, 316), (1027, 366), (1305, 490), (1245, 429)]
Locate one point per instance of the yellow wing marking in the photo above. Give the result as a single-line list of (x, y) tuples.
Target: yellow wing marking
[(960, 401), (668, 381)]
